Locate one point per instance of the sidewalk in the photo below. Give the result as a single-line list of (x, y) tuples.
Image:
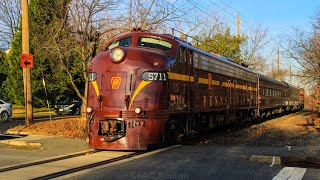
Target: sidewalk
[(36, 147)]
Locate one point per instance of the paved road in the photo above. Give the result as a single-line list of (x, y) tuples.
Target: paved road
[(191, 162)]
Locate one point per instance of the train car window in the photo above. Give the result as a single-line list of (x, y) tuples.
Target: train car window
[(155, 43), (122, 42), (189, 57), (181, 55), (196, 60)]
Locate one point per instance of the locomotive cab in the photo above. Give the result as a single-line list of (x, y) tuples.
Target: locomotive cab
[(127, 94)]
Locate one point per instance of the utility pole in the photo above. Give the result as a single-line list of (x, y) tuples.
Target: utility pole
[(272, 68), (290, 75), (279, 78), (26, 71), (238, 35), (130, 15)]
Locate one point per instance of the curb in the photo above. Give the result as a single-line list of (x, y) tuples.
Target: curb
[(18, 132), (21, 143), (266, 159)]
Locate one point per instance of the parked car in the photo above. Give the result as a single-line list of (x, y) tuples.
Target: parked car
[(68, 108), (5, 111)]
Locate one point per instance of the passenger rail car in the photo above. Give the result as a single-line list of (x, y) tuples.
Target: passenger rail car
[(147, 88)]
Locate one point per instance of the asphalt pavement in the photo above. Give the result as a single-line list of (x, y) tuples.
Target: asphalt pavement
[(185, 162), (37, 147), (207, 162), (20, 149)]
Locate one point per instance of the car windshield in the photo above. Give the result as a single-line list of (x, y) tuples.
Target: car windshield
[(122, 42), (67, 102), (155, 43)]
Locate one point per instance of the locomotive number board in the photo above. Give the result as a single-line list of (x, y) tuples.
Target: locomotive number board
[(154, 76)]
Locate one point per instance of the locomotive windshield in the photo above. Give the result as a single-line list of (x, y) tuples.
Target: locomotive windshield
[(155, 43), (122, 42)]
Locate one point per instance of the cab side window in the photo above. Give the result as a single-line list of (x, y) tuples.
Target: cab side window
[(181, 55)]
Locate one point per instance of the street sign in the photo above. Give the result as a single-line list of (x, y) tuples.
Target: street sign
[(26, 61)]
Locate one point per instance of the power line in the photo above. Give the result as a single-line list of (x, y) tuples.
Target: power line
[(196, 5), (223, 9), (176, 8), (244, 21), (229, 6)]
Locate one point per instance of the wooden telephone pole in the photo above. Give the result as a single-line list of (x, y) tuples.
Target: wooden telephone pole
[(26, 71), (290, 75), (238, 35), (279, 78)]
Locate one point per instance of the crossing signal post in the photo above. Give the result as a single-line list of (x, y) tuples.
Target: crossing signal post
[(26, 63)]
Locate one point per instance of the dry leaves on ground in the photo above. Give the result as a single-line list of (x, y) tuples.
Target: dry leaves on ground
[(73, 128), (293, 129)]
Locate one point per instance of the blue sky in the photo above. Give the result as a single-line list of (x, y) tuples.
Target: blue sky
[(278, 15)]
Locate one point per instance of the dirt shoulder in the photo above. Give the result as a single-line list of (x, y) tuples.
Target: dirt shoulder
[(297, 129)]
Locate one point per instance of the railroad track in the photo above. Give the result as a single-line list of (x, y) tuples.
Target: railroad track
[(60, 166)]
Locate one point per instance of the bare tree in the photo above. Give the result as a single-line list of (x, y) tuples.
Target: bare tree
[(303, 48), (10, 11), (253, 48), (78, 36), (147, 15)]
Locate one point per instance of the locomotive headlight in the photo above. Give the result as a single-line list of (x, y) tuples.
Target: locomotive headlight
[(138, 110), (89, 110), (117, 54)]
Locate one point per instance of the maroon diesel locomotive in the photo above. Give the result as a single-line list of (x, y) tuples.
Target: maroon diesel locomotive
[(149, 89)]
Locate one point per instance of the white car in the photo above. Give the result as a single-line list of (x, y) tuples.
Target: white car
[(5, 111)]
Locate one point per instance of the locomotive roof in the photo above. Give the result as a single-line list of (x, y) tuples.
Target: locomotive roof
[(274, 81), (183, 43), (226, 60), (220, 58)]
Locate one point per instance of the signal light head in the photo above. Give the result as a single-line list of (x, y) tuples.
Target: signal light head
[(117, 54)]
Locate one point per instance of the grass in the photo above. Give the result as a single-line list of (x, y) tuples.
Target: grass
[(19, 111)]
